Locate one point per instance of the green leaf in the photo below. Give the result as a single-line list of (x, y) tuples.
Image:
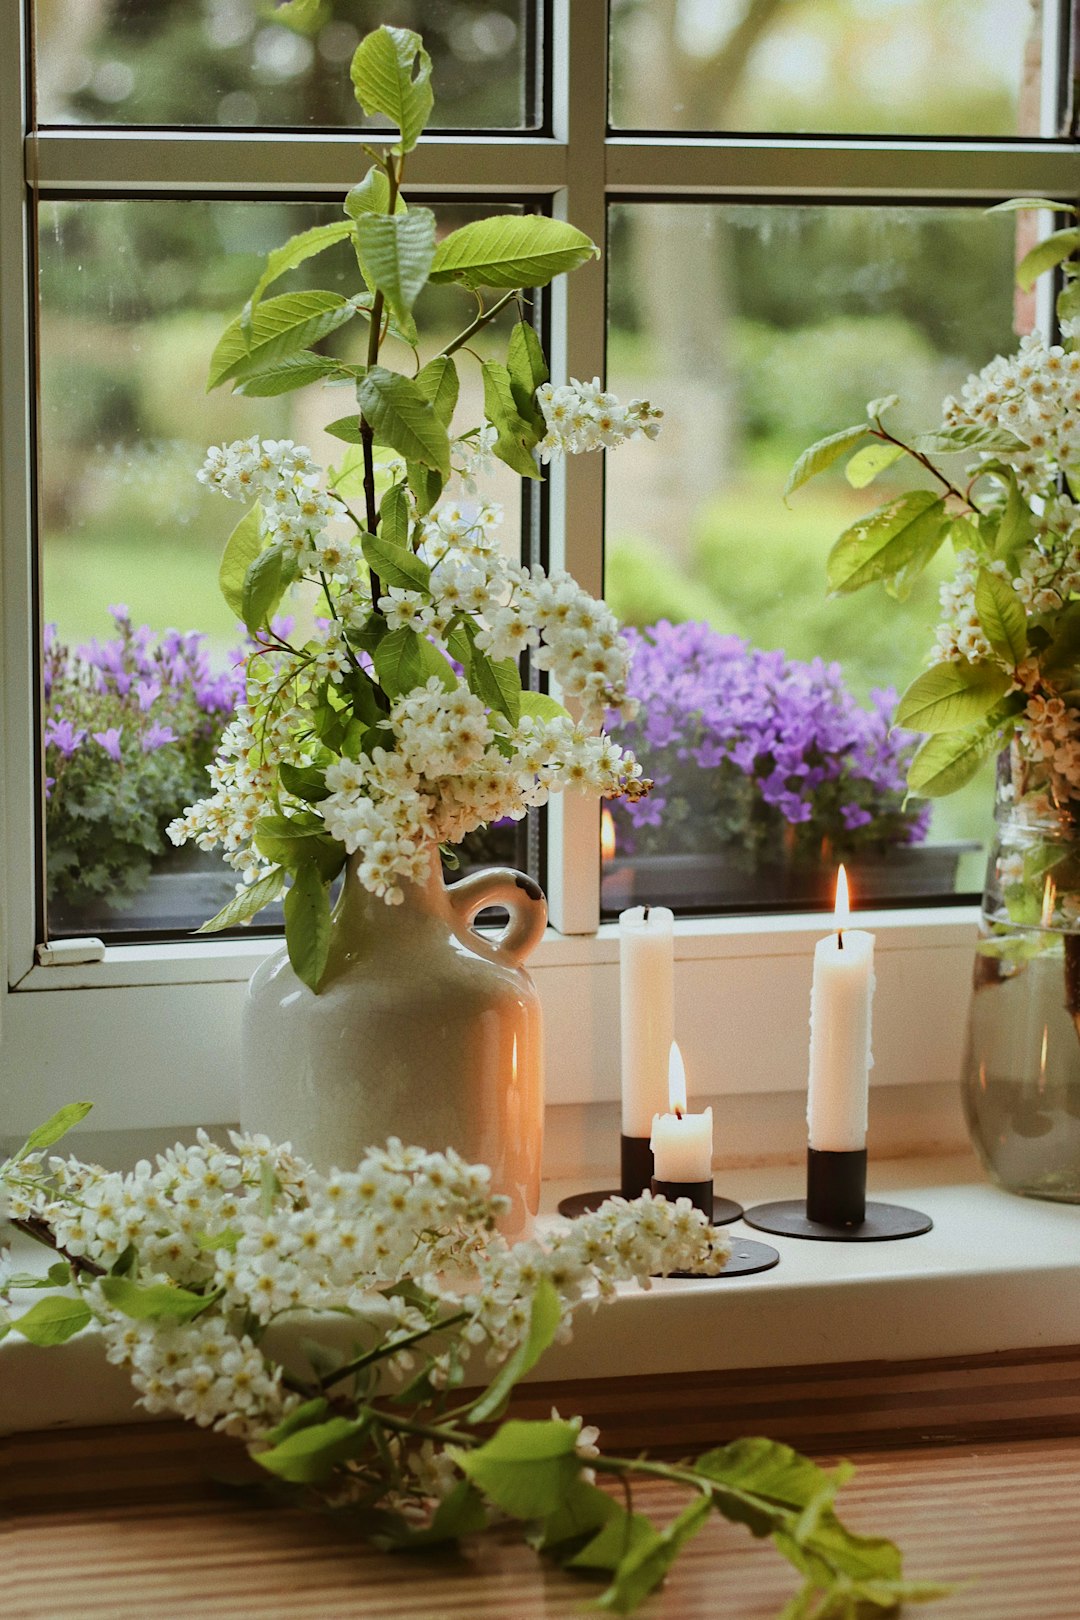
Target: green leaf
[(772, 1471), (872, 459), (309, 1455), (226, 1239), (497, 685), (948, 761), (582, 1510), (822, 455), (292, 253), (952, 695), (621, 1536), (301, 1417), (645, 1565), (293, 841), (397, 251), (395, 565), (294, 371), (279, 327), (151, 1302), (1017, 523), (878, 407), (307, 926), (1045, 255), (391, 74), (241, 549), (400, 416), (1001, 616), (544, 1319), (1031, 202), (52, 1321), (438, 382), (346, 428), (305, 782), (517, 435), (528, 370), (887, 540), (542, 707), (970, 436), (426, 485), (372, 195), (399, 661), (269, 1188), (394, 517), (264, 586), (525, 1468), (246, 903), (511, 250), (64, 1120)]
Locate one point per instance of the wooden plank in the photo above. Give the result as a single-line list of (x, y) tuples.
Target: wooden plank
[(1004, 1517)]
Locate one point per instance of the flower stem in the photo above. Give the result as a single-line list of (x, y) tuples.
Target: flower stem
[(381, 1351), (482, 319), (367, 434)]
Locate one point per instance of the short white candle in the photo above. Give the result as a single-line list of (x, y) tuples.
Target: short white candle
[(840, 1056), (682, 1142), (647, 1005)]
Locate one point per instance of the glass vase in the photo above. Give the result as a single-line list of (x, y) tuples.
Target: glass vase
[(1022, 1063)]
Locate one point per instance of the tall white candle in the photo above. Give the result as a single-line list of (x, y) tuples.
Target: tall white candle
[(840, 1056), (647, 1006), (682, 1142)]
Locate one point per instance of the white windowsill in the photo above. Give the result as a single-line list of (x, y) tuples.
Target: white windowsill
[(997, 1273)]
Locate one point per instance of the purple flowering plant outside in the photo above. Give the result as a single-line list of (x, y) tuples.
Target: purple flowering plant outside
[(767, 758), (130, 726)]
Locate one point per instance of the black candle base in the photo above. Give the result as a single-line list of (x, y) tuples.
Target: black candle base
[(835, 1208), (700, 1193), (724, 1210), (881, 1223), (746, 1258), (635, 1165)]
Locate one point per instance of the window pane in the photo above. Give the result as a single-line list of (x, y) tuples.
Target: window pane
[(760, 330), (228, 63), (133, 298), (831, 66)]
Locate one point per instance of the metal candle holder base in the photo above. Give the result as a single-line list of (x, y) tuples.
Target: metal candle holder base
[(835, 1209), (746, 1256), (636, 1177)]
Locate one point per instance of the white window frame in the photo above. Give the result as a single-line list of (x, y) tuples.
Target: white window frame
[(150, 1031)]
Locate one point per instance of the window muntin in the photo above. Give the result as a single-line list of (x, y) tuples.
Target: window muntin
[(762, 329), (868, 67), (227, 63), (134, 295)]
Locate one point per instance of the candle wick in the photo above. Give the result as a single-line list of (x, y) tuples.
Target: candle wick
[(678, 1112), (840, 939), (645, 917)]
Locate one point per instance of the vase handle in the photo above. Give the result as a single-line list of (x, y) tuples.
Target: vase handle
[(521, 896)]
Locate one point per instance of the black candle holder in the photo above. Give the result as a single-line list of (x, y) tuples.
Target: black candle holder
[(835, 1209), (636, 1174), (746, 1256), (700, 1193)]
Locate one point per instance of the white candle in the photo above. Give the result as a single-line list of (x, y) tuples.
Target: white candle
[(840, 1057), (647, 1004), (682, 1142)]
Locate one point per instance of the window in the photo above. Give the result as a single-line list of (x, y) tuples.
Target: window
[(170, 178)]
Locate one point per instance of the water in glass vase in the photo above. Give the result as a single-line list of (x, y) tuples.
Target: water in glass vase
[(1022, 1067)]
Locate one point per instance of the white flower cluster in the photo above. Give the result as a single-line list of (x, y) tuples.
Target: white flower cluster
[(1047, 735), (1035, 394), (582, 416), (960, 635), (447, 762), (258, 1232)]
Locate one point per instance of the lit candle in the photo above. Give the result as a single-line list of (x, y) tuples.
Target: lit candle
[(647, 1005), (682, 1142), (840, 1057)]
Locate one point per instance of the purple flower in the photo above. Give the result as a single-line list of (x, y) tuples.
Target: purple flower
[(110, 741), (147, 693), (855, 816), (156, 736), (63, 735)]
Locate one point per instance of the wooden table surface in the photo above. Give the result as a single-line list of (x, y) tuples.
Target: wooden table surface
[(121, 1525)]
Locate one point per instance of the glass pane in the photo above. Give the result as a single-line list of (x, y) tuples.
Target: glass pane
[(831, 66), (229, 63), (134, 296), (760, 330)]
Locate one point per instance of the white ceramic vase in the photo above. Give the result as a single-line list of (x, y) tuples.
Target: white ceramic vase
[(423, 1028)]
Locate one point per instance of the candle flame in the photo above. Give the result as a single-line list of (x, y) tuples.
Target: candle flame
[(607, 836), (1049, 901), (676, 1084), (842, 911)]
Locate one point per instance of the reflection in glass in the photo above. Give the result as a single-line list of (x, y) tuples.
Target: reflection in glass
[(832, 66), (759, 330), (229, 63), (134, 296)]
